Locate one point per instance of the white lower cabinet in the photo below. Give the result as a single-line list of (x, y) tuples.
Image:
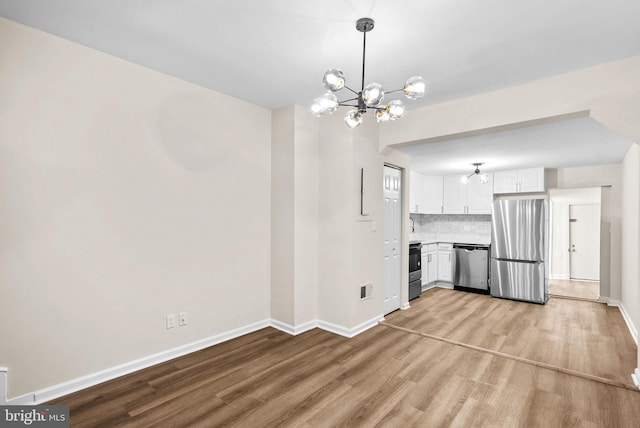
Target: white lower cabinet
[(432, 271), (445, 252), (429, 264)]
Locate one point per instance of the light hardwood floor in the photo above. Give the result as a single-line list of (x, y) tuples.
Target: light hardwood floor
[(393, 375), (573, 288)]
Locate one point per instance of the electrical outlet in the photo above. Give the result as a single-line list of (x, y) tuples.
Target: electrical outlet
[(183, 318), (171, 320), (366, 291)]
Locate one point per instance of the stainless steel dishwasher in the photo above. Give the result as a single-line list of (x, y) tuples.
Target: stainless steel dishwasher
[(471, 267)]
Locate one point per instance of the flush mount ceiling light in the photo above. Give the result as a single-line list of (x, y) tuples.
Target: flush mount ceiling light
[(369, 97), (481, 177)]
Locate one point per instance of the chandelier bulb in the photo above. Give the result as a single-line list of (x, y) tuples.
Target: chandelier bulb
[(324, 104), (333, 79), (372, 94), (353, 119), (396, 109), (414, 87), (382, 115)]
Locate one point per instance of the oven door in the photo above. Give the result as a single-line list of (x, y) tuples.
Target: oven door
[(415, 258)]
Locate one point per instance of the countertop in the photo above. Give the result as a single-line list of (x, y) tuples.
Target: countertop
[(429, 238)]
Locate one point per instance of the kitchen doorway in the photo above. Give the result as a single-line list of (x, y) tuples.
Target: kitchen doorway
[(392, 193), (575, 243)]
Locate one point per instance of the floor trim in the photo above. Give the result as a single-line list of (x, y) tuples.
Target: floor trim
[(539, 364), (74, 385), (83, 382), (629, 322), (350, 332), (583, 299)]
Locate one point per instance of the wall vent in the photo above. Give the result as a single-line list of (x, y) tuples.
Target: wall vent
[(365, 291)]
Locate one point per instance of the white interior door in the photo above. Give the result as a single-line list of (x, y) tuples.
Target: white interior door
[(584, 241), (392, 238)]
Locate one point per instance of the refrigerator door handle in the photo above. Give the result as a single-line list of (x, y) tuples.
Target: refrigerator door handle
[(533, 262)]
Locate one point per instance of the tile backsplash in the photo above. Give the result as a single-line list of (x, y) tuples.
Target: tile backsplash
[(452, 228)]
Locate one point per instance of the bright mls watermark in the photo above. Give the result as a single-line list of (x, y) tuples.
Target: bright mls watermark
[(34, 416)]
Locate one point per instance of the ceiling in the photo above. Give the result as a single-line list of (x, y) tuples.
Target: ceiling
[(569, 143), (273, 53)]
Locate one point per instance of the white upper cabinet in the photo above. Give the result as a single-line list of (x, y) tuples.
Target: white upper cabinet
[(473, 197), (531, 180), (416, 192), (520, 181), (479, 195), (433, 194), (454, 195), (425, 194)]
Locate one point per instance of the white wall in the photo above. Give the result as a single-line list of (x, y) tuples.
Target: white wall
[(283, 220), (294, 222), (630, 295), (126, 195)]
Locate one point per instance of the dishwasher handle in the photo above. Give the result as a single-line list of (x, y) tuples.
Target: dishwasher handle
[(467, 248)]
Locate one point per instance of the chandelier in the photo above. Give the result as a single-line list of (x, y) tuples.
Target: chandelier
[(369, 97), (483, 178)]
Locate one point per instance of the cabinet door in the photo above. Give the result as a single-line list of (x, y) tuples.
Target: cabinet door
[(432, 270), (416, 190), (433, 194), (531, 180), (505, 182), (425, 267), (454, 197), (444, 266), (479, 196)]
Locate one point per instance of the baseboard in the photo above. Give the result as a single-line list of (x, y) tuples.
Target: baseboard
[(447, 285), (630, 325), (74, 385), (293, 330), (636, 377), (349, 332), (429, 287), (83, 382), (562, 277), (405, 306)]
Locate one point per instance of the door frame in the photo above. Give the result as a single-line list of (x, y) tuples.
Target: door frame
[(560, 199), (404, 234)]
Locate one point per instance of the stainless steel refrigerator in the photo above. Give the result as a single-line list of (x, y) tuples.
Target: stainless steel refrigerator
[(519, 250)]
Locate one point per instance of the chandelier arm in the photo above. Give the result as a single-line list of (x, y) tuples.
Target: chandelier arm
[(350, 99), (355, 92), (347, 105), (394, 91)]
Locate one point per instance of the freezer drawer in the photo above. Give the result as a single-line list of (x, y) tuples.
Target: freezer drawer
[(519, 281)]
